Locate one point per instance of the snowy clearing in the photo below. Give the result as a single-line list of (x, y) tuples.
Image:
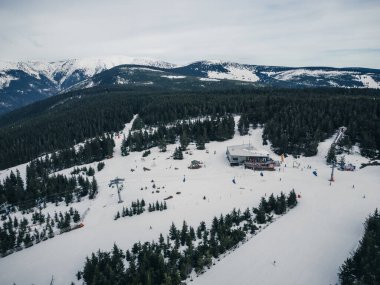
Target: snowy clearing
[(294, 74), (208, 79), (174, 76), (235, 73), (368, 81)]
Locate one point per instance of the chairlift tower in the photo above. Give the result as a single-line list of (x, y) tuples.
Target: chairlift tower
[(119, 185)]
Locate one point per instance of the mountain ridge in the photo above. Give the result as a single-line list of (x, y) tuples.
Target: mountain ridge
[(22, 83)]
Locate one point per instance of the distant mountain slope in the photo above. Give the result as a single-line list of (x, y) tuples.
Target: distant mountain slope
[(22, 83)]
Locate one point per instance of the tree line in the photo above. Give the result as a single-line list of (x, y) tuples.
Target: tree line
[(363, 266), (172, 259), (139, 207), (17, 234), (214, 128), (96, 149), (292, 118), (42, 187)]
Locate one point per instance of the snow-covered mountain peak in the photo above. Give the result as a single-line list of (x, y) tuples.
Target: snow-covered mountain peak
[(93, 65), (59, 71)]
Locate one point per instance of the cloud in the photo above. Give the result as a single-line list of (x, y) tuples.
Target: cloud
[(272, 32)]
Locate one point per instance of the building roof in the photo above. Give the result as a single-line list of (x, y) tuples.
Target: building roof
[(247, 150)]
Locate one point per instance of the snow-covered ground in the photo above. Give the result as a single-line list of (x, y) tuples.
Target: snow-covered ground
[(368, 81), (174, 76), (235, 73), (5, 79), (309, 243)]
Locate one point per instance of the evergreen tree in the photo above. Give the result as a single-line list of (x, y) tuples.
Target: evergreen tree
[(292, 199), (200, 143), (178, 154), (362, 267), (138, 124), (243, 125), (100, 166), (331, 157), (184, 141), (125, 146), (162, 145)]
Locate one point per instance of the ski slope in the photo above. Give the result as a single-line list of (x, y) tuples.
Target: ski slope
[(309, 243)]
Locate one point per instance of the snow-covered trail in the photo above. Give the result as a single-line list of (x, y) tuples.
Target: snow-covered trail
[(309, 243)]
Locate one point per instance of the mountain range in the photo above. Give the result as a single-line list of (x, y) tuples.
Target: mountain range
[(22, 83)]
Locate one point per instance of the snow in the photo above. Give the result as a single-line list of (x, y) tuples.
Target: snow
[(368, 81), (208, 79), (309, 243), (142, 68), (295, 73), (121, 80), (174, 76), (5, 79), (235, 73), (89, 66), (332, 83)]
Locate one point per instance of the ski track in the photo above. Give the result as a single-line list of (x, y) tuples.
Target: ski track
[(309, 243)]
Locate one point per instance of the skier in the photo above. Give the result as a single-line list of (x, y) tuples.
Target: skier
[(261, 174), (234, 181), (184, 178)]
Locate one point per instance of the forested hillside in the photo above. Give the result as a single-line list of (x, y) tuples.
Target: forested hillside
[(294, 120)]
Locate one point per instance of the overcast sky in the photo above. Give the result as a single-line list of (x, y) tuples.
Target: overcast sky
[(280, 32)]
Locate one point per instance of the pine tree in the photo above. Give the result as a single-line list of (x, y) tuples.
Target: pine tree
[(178, 154), (100, 166), (125, 146), (184, 141), (184, 233), (173, 233), (76, 216), (243, 125), (331, 157), (271, 202), (162, 145), (292, 199), (91, 171), (138, 124), (260, 216), (200, 142)]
